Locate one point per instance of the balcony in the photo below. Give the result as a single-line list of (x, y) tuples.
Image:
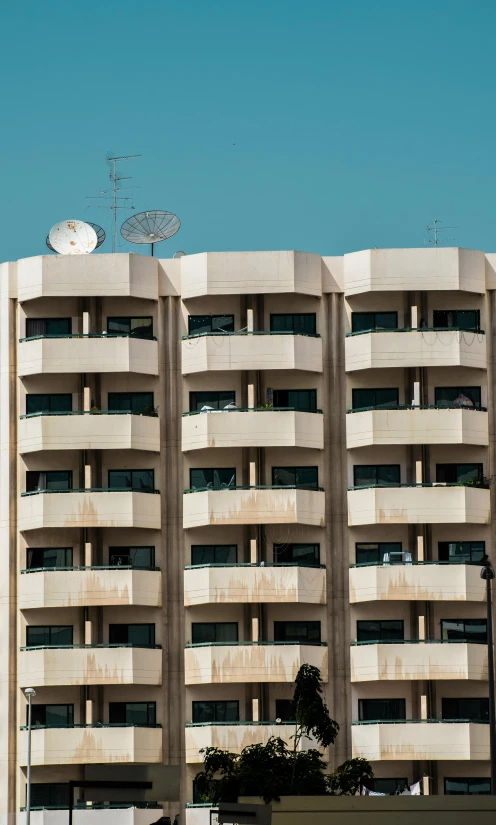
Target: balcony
[(415, 348), (251, 662), (254, 505), (116, 814), (89, 744), (89, 665), (87, 353), (429, 739), (208, 352), (89, 508), (250, 583), (418, 504), (234, 736), (251, 273), (423, 425), (50, 276), (89, 586), (411, 660), (417, 582), (252, 428), (88, 431), (435, 268)]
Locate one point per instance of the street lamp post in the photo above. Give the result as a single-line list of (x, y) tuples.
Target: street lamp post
[(487, 573), (29, 693)]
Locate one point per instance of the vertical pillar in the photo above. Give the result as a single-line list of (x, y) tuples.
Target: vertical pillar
[(253, 551)]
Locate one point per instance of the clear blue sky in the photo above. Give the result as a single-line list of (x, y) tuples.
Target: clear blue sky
[(355, 122)]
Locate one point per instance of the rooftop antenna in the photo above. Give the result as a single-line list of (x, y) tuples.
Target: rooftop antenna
[(432, 233), (112, 194), (150, 227)]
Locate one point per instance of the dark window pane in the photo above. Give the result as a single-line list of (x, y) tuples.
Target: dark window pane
[(44, 403), (374, 552), (304, 400), (464, 630), (303, 323), (457, 318), (382, 475), (371, 710), (214, 554), (285, 710), (48, 557), (380, 630), (43, 635), (363, 321), (476, 710), (458, 473), (143, 557), (387, 786), (59, 480), (216, 400), (363, 398), (140, 403), (50, 795), (209, 632), (457, 396), (132, 713), (138, 480), (214, 479), (295, 477), (305, 554), (215, 711), (137, 327), (297, 632), (139, 635), (210, 323), (460, 787), (48, 326), (464, 552)]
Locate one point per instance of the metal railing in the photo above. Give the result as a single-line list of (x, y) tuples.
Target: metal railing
[(480, 485), (416, 407), (83, 567), (251, 409), (94, 725), (252, 332), (90, 335), (93, 490), (254, 564), (90, 647), (240, 722), (417, 329), (420, 642), (411, 563), (89, 412), (418, 721), (253, 487), (253, 644)]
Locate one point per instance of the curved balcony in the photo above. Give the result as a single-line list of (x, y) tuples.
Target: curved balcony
[(418, 504), (251, 273), (214, 352), (253, 505), (90, 744), (251, 662), (89, 665), (80, 430), (89, 586), (379, 349), (64, 276), (117, 813), (252, 428), (105, 507), (416, 425), (411, 660), (234, 736), (428, 581), (420, 739), (251, 583), (87, 353)]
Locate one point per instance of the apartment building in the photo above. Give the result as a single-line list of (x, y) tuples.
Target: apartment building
[(219, 467)]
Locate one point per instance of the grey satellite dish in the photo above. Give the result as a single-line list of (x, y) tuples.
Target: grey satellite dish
[(72, 238), (100, 235), (150, 227), (179, 254)]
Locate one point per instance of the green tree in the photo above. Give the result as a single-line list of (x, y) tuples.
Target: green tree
[(273, 770)]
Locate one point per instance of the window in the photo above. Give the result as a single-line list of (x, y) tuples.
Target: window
[(134, 635), (134, 327), (300, 323), (387, 786), (381, 710), (297, 632), (304, 554), (133, 713), (465, 552), (143, 557), (214, 553), (48, 557), (459, 473), (216, 399), (140, 403), (376, 475), (49, 636), (380, 630), (49, 795), (374, 552), (197, 798), (365, 321), (303, 400), (216, 711), (138, 480), (210, 632), (210, 323), (475, 710), (50, 480), (456, 318), (457, 397), (307, 477), (459, 786), (220, 478), (464, 630), (361, 399), (48, 403), (48, 326), (285, 710), (51, 716)]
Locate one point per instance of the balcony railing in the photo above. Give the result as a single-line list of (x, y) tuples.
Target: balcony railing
[(420, 642), (253, 487), (478, 485), (93, 490), (417, 329), (90, 335), (90, 647), (92, 567), (267, 408), (92, 806), (89, 412), (250, 332), (418, 721), (415, 406), (239, 722), (93, 725), (410, 563), (253, 644), (253, 564)]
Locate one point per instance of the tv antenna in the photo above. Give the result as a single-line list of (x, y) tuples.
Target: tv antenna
[(432, 233), (100, 236), (112, 194), (150, 227)]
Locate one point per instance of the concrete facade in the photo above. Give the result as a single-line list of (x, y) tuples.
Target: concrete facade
[(248, 510)]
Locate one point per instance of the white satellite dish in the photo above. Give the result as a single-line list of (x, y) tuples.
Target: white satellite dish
[(73, 238)]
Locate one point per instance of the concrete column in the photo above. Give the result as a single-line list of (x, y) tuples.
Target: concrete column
[(255, 711), (414, 317), (87, 476), (420, 548), (86, 323), (421, 627), (86, 399), (251, 396), (253, 474), (423, 707), (253, 551), (88, 554), (249, 320), (89, 711), (88, 632), (254, 630)]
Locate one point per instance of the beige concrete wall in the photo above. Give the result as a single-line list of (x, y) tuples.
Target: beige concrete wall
[(448, 348), (236, 737), (218, 585), (122, 509), (395, 662), (90, 666), (99, 816), (380, 427), (251, 352), (66, 355), (251, 663), (444, 582), (253, 429), (415, 505), (69, 746), (253, 507), (89, 432), (416, 740), (85, 588)]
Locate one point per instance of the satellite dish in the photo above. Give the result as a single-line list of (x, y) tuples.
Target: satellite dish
[(100, 234), (179, 254), (73, 238), (150, 227)]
